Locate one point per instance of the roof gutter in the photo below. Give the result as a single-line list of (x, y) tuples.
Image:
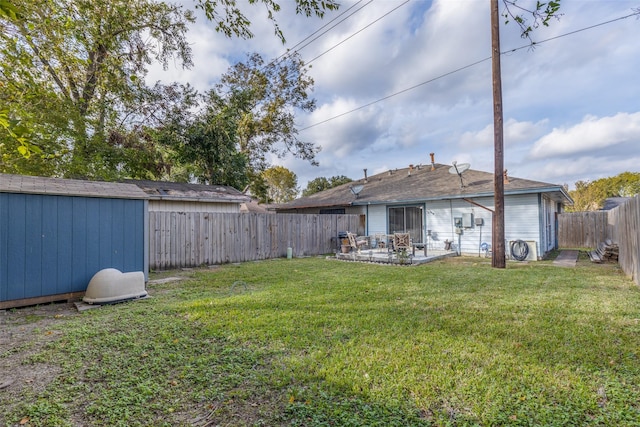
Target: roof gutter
[(470, 196), (307, 206), (200, 199)]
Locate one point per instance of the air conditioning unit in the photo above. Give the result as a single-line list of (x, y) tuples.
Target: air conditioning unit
[(533, 250)]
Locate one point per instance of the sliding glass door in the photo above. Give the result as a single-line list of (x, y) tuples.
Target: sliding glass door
[(406, 219)]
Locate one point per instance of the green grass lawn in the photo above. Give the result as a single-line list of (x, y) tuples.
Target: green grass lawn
[(317, 342)]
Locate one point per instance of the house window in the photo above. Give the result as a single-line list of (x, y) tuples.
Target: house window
[(336, 211), (406, 219)]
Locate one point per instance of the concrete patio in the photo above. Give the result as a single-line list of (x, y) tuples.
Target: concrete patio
[(384, 257)]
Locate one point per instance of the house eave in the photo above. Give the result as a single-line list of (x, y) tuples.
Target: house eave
[(312, 206), (468, 196), (200, 199)]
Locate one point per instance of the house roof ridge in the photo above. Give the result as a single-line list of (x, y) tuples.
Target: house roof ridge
[(420, 182)]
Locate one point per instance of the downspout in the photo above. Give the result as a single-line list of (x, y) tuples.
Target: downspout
[(453, 232), (145, 232), (366, 224), (541, 230)]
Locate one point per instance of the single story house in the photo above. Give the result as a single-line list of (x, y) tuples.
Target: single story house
[(440, 207), (184, 197)]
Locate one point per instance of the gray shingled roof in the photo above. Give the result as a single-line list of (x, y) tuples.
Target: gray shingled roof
[(161, 190), (421, 183), (614, 202), (68, 187)]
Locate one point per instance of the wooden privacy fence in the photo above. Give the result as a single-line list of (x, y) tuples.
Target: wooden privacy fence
[(620, 224), (190, 239), (624, 223), (582, 229)]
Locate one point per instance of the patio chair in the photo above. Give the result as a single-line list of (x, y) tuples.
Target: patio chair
[(381, 241), (356, 242), (402, 246)]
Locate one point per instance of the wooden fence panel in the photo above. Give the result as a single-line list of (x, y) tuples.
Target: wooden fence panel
[(582, 229), (190, 239), (621, 224), (625, 231)]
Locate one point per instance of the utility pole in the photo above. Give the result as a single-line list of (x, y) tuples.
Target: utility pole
[(498, 259)]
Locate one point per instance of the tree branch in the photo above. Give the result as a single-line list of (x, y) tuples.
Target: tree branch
[(45, 62)]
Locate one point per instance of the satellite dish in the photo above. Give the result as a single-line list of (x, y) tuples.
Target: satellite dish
[(356, 189), (459, 169)]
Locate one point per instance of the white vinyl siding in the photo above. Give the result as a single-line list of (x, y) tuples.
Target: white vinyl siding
[(440, 221), (522, 222), (377, 220)]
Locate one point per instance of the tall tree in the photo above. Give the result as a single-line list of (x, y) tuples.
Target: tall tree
[(206, 145), (590, 196), (246, 117), (72, 78), (269, 96), (321, 183), (72, 69), (282, 184)]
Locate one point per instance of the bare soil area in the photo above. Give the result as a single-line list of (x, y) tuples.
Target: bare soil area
[(23, 331)]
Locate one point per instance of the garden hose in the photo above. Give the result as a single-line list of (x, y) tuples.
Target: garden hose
[(519, 250)]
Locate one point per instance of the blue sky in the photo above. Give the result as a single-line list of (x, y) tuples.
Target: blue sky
[(571, 105)]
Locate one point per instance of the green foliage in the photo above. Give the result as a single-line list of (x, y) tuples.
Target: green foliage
[(15, 137), (590, 196), (267, 96), (75, 103), (247, 116), (74, 71), (207, 143), (258, 187), (8, 10), (231, 21), (541, 15), (282, 184), (321, 183)]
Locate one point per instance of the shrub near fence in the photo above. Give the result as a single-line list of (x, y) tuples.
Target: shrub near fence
[(190, 239)]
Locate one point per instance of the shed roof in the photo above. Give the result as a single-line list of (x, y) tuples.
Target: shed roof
[(182, 191), (68, 187), (256, 207), (614, 202), (421, 183)]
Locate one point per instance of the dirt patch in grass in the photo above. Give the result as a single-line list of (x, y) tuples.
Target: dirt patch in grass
[(23, 332)]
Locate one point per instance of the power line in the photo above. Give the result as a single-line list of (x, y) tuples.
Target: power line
[(359, 31), (295, 48), (636, 13), (398, 93)]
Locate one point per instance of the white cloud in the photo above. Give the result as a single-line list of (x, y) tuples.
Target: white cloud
[(592, 134), (515, 133)]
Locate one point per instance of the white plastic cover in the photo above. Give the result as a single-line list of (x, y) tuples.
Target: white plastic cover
[(111, 285)]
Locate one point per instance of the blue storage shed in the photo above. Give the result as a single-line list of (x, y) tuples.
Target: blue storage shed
[(55, 234)]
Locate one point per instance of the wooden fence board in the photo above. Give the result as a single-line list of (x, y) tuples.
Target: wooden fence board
[(179, 239), (621, 225), (582, 229)]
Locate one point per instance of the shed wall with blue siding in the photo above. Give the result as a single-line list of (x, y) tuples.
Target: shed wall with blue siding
[(53, 244)]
